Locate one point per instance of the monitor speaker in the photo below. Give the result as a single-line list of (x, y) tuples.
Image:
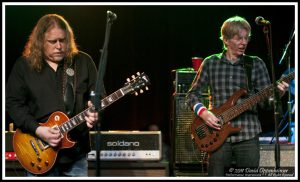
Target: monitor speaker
[(267, 155)]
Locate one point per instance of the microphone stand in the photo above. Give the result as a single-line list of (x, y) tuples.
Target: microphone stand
[(287, 47), (287, 50), (266, 30), (100, 91), (289, 101)]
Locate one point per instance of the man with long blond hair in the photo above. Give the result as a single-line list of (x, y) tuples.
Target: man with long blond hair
[(53, 75)]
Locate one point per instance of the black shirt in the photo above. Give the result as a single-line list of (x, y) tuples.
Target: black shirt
[(32, 96)]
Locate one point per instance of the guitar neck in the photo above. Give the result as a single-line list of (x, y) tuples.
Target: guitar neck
[(79, 118), (249, 102)]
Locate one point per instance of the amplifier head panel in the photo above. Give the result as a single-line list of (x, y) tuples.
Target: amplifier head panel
[(183, 79), (127, 145)]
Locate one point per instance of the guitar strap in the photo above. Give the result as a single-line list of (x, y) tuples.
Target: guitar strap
[(69, 87), (248, 64)]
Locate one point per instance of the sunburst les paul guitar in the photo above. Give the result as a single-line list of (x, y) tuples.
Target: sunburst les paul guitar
[(208, 139), (37, 157)]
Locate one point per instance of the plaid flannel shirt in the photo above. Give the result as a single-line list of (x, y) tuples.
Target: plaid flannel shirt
[(223, 79)]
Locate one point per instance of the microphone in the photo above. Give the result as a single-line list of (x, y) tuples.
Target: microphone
[(261, 21), (111, 15)]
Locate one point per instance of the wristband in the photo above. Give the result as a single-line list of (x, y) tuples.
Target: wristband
[(201, 111), (199, 108)]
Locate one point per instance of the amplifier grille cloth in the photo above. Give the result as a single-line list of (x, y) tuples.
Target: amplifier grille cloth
[(185, 150)]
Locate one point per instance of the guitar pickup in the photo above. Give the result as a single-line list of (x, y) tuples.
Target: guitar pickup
[(39, 144), (34, 148), (200, 131)]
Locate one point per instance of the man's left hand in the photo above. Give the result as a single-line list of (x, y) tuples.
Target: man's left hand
[(92, 117)]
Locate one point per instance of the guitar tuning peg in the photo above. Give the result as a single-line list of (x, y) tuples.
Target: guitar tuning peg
[(138, 73), (133, 76), (141, 91), (136, 94), (146, 88), (128, 80)]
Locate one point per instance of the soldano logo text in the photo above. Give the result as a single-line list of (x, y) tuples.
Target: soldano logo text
[(122, 144)]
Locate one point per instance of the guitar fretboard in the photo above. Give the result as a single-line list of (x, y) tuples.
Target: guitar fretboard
[(79, 118), (249, 102)]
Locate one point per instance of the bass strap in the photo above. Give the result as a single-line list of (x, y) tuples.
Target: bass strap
[(248, 64), (69, 94)]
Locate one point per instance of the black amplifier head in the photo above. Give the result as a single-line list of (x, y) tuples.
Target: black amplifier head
[(182, 79)]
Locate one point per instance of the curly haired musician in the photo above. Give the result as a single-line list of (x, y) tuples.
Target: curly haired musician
[(224, 74), (53, 75)]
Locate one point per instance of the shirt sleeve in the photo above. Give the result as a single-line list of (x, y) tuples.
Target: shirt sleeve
[(261, 79), (194, 94), (16, 102)]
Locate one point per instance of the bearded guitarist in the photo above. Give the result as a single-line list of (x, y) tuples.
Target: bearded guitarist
[(231, 77), (52, 75)]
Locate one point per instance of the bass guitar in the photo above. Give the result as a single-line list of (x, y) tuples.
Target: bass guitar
[(208, 139), (37, 157)]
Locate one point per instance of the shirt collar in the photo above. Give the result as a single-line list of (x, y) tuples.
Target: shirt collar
[(223, 59)]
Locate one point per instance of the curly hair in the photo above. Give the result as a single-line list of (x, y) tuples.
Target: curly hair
[(33, 50)]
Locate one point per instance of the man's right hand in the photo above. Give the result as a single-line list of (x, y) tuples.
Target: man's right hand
[(50, 135), (210, 119)]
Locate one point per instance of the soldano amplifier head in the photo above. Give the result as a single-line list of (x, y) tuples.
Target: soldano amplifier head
[(127, 145)]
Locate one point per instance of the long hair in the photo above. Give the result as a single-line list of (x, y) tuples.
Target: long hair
[(232, 26), (34, 48)]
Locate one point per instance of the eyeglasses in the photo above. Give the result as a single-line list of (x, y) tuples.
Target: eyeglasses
[(240, 38)]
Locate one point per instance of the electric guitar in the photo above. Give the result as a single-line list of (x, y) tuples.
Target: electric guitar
[(208, 139), (37, 157)]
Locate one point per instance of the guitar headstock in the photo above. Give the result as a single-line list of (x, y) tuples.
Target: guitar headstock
[(137, 83)]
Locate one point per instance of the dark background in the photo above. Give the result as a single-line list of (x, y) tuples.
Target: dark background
[(156, 40)]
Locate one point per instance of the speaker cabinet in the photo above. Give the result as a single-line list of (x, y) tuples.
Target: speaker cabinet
[(13, 169), (107, 169), (185, 149), (187, 160), (186, 156), (267, 155), (118, 169)]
